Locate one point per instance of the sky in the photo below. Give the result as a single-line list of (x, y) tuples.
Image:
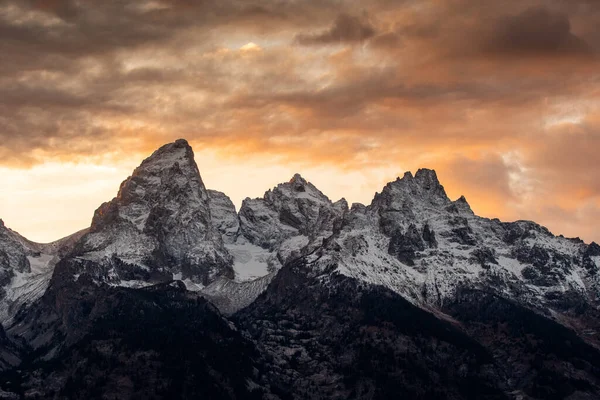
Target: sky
[(501, 98)]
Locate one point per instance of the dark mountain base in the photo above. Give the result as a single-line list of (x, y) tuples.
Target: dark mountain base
[(543, 359), (156, 343), (306, 337), (347, 341)]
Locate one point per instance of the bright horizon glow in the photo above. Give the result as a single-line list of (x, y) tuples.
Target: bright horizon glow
[(72, 192)]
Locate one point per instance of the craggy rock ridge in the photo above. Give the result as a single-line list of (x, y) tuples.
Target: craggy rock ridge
[(173, 294), (289, 218), (415, 241)]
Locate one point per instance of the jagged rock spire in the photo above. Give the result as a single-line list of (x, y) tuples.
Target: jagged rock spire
[(159, 221)]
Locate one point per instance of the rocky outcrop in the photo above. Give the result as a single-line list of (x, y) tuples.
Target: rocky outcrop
[(26, 268), (13, 256)]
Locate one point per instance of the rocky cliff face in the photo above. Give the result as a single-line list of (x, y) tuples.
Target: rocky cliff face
[(13, 256), (295, 208), (224, 216)]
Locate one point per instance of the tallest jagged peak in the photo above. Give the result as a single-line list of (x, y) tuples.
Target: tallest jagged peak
[(179, 152), (160, 220), (297, 178), (298, 183), (167, 179)]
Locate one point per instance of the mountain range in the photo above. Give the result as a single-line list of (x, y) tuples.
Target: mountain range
[(171, 293)]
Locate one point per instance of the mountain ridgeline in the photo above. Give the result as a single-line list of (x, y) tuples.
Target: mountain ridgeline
[(172, 294)]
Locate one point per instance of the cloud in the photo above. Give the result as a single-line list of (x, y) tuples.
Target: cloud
[(535, 31), (345, 29)]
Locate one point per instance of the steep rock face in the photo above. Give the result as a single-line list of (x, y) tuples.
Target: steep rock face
[(290, 209), (223, 215), (13, 255), (158, 226)]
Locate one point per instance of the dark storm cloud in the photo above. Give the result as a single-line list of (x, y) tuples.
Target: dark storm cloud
[(536, 31), (81, 30), (345, 28), (85, 27)]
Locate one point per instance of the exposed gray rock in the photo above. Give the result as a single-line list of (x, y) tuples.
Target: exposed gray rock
[(223, 215)]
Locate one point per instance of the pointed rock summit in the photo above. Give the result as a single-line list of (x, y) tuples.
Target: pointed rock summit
[(159, 225), (422, 189), (168, 179), (294, 208)]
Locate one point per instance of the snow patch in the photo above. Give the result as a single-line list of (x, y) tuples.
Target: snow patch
[(250, 261), (27, 287)]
